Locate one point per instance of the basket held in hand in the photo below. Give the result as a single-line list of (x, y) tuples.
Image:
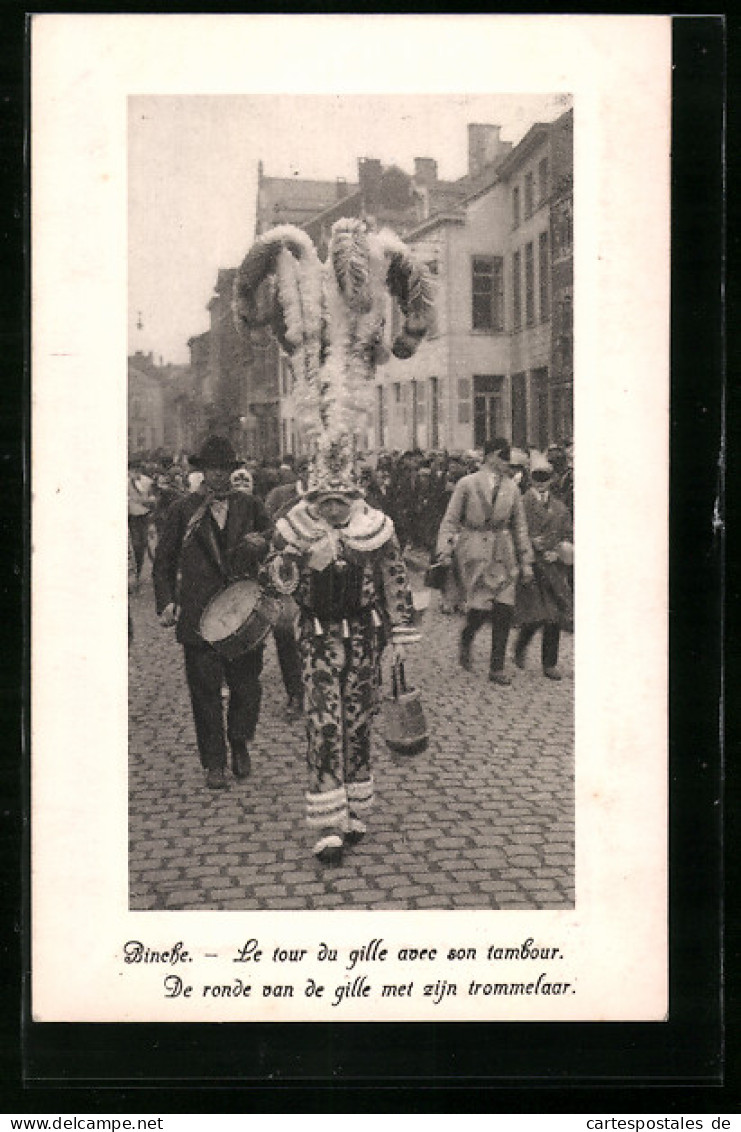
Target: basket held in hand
[(405, 723)]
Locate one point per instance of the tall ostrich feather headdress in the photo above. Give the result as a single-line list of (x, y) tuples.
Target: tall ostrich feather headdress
[(330, 320)]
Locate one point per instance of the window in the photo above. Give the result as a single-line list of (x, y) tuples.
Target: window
[(517, 290), (487, 408), (464, 400), (543, 180), (540, 401), (519, 410), (529, 285), (543, 277), (528, 194), (432, 267), (487, 283), (397, 392), (516, 206)]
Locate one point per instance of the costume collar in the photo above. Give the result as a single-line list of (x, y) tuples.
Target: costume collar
[(366, 528)]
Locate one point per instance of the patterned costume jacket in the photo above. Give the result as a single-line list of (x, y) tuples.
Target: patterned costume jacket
[(348, 610)]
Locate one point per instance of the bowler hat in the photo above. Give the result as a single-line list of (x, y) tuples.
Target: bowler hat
[(216, 452)]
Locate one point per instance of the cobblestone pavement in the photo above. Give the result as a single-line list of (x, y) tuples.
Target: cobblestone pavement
[(483, 819)]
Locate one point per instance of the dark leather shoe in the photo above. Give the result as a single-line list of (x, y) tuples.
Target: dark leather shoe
[(328, 848), (500, 678), (519, 658), (356, 830), (552, 674), (241, 764), (464, 656), (215, 778)]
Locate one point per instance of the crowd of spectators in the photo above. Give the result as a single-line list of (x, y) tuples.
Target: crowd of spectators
[(412, 487)]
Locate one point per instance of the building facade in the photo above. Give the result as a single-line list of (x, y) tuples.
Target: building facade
[(145, 406), (562, 279), (498, 243), (383, 196), (501, 363)]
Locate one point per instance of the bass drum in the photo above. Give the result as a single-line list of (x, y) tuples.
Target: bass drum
[(239, 618)]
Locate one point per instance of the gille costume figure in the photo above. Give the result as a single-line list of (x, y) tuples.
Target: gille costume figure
[(336, 556)]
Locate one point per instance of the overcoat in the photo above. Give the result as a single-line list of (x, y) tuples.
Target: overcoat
[(488, 532), (194, 560), (548, 598)]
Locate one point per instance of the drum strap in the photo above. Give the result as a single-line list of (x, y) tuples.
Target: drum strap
[(194, 521), (212, 533)]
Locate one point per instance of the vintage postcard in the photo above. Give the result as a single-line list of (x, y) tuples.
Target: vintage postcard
[(356, 331)]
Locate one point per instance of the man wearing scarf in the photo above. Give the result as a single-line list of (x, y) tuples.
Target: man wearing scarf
[(210, 538)]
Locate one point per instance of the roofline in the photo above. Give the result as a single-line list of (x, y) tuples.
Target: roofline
[(331, 207), (510, 161), (434, 222), (537, 132), (495, 178)]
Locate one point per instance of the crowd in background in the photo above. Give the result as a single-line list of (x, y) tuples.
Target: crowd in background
[(413, 488)]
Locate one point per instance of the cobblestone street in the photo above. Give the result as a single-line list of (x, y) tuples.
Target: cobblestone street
[(483, 819)]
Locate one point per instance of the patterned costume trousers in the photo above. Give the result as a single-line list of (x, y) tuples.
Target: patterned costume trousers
[(341, 681)]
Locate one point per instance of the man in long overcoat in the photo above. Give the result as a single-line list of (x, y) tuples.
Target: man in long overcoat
[(486, 527), (212, 537), (547, 602)]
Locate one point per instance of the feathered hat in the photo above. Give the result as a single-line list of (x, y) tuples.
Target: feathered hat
[(330, 320)]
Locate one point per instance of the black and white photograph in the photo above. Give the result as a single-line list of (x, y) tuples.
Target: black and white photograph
[(350, 496), (367, 700)]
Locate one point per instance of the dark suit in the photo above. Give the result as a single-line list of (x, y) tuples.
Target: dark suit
[(194, 561)]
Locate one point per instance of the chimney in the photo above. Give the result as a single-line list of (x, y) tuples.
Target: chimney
[(484, 146), (341, 188), (425, 171), (370, 172)]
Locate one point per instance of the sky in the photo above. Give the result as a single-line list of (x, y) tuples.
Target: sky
[(192, 181)]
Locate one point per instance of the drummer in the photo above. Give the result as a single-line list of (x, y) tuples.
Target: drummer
[(211, 537)]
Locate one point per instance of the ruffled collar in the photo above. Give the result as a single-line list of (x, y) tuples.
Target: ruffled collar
[(366, 528)]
